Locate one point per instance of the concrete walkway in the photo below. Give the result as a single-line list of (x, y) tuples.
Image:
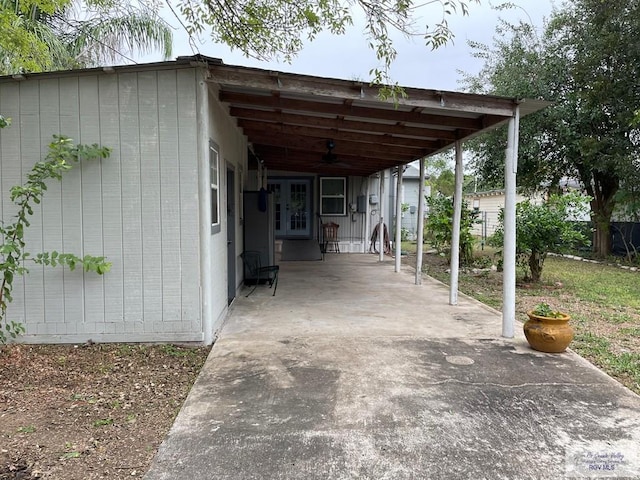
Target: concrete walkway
[(353, 372)]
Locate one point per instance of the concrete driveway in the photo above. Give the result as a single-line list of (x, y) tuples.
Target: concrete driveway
[(353, 372)]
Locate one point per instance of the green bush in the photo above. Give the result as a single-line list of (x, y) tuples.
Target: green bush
[(439, 227), (541, 229)]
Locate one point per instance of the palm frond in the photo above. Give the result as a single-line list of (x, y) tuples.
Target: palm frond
[(99, 40)]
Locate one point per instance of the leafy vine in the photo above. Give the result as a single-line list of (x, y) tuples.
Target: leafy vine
[(63, 154)]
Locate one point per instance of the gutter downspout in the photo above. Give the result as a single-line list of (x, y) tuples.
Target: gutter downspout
[(509, 251), (204, 195)]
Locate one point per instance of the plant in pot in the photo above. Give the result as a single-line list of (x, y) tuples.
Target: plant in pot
[(548, 330)]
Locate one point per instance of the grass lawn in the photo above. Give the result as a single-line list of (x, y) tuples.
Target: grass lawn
[(603, 301)]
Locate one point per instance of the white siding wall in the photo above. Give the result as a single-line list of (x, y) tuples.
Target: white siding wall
[(138, 207), (409, 220), (352, 237), (233, 153), (490, 206)]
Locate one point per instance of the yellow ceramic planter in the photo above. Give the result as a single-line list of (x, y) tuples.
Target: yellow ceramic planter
[(548, 334)]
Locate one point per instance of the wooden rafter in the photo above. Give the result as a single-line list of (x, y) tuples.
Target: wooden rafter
[(288, 119), (386, 114)]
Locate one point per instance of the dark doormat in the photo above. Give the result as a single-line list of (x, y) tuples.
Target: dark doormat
[(300, 250)]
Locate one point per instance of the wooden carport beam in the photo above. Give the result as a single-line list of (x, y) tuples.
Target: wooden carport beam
[(304, 162), (322, 169), (251, 126), (319, 145), (279, 155), (341, 123), (446, 119)]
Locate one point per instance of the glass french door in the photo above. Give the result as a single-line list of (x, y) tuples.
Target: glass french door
[(292, 198)]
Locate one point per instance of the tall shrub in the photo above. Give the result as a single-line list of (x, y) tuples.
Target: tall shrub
[(439, 227), (542, 229)]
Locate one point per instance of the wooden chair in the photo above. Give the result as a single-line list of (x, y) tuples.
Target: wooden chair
[(254, 271), (330, 237)]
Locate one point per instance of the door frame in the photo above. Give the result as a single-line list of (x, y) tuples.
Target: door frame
[(231, 233), (310, 181)]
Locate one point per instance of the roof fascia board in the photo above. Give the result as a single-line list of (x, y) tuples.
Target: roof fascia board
[(272, 81), (84, 72)]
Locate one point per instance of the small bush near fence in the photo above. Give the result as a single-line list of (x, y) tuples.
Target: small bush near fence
[(439, 226), (540, 230), (625, 237)]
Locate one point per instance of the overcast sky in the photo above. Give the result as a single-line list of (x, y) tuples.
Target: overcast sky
[(348, 57)]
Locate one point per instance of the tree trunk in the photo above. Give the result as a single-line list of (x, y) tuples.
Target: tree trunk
[(536, 260), (602, 238), (602, 189)]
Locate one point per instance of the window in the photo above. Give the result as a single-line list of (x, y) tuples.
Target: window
[(214, 178), (333, 196)]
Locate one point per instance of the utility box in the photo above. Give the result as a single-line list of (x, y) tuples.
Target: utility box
[(361, 206), (373, 199)]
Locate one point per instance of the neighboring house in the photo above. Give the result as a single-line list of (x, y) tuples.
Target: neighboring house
[(489, 204), (409, 197), (188, 138)]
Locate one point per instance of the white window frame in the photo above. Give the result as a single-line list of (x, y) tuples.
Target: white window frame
[(214, 182), (343, 196)]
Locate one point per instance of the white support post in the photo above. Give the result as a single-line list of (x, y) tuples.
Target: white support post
[(455, 233), (399, 219), (367, 220), (381, 210), (509, 249), (420, 225)]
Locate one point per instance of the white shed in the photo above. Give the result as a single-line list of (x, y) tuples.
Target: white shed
[(142, 207)]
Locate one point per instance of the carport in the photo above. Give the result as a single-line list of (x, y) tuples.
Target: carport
[(289, 118), (375, 378)]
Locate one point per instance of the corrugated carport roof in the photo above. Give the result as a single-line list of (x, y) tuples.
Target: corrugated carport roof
[(289, 118)]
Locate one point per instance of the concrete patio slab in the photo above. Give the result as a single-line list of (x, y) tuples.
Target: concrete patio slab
[(353, 372)]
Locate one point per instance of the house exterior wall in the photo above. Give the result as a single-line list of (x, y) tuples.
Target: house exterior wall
[(490, 204), (352, 235), (232, 146), (138, 207), (409, 196)]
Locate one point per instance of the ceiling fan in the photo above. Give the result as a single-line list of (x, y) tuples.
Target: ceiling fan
[(331, 158)]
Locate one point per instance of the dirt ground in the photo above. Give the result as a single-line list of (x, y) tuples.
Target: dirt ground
[(89, 411)]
